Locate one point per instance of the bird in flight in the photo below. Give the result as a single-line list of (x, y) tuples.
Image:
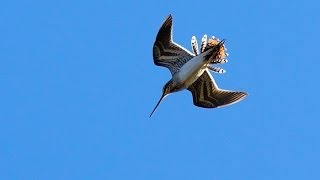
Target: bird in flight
[(191, 70)]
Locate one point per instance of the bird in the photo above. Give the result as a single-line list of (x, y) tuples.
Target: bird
[(191, 71)]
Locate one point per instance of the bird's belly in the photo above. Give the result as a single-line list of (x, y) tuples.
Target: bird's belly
[(191, 71)]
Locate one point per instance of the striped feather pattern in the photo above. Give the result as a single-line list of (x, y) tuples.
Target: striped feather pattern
[(204, 42), (216, 69), (167, 53), (206, 93), (194, 45)]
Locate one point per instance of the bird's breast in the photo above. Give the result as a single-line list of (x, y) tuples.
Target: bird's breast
[(191, 71)]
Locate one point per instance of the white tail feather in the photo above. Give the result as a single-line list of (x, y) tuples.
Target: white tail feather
[(216, 69), (194, 45), (204, 42)]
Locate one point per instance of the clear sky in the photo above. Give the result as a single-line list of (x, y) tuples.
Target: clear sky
[(78, 84)]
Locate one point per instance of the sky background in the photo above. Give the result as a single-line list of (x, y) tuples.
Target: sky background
[(78, 84)]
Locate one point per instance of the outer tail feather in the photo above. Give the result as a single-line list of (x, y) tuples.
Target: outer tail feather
[(216, 69), (194, 45), (203, 42)]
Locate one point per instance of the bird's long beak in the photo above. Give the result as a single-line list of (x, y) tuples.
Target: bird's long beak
[(163, 95)]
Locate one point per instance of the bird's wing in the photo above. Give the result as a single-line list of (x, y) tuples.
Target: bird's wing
[(167, 53), (206, 93)]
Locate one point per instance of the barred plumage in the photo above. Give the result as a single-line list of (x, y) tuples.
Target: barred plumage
[(206, 93), (166, 52), (216, 69), (194, 45), (204, 42), (191, 71)]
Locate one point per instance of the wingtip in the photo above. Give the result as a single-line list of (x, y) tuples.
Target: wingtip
[(242, 95), (169, 18), (168, 21), (237, 98)]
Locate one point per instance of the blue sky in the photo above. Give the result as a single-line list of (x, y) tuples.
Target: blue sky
[(78, 84)]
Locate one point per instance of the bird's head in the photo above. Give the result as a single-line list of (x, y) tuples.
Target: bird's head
[(167, 89)]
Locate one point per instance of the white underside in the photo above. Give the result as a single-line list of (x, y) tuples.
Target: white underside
[(191, 71)]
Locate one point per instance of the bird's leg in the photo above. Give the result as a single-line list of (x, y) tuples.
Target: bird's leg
[(216, 69), (203, 43), (194, 45)]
